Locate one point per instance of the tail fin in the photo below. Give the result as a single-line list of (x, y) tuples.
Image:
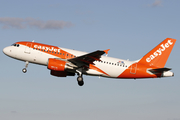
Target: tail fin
[(158, 56)]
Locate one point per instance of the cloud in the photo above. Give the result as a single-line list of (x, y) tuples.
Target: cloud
[(156, 3), (12, 22), (20, 23)]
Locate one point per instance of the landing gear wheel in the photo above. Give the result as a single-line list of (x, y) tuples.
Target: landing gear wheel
[(80, 81), (24, 70)]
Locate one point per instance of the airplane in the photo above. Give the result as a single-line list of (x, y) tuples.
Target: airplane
[(64, 62)]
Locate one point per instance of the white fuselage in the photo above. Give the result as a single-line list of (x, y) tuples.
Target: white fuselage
[(112, 66)]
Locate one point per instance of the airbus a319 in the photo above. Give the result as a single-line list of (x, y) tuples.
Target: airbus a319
[(64, 62)]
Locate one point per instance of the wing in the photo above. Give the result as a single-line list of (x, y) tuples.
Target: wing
[(87, 59)]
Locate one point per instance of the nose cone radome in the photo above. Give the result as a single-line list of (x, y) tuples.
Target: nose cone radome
[(5, 51)]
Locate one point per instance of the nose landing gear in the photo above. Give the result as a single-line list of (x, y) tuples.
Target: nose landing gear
[(24, 70)]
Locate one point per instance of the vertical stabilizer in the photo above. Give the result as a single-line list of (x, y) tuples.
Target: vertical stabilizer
[(158, 56)]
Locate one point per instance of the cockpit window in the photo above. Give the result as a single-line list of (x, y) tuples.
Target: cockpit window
[(16, 45)]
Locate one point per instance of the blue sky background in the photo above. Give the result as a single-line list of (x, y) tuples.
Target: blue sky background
[(129, 28)]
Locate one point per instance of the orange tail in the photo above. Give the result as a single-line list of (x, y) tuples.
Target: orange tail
[(158, 56)]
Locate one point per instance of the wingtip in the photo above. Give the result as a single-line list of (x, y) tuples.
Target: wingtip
[(106, 51)]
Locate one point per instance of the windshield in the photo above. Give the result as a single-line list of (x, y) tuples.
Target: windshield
[(16, 45)]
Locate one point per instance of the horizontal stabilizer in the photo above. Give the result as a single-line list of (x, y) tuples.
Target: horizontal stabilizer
[(159, 70)]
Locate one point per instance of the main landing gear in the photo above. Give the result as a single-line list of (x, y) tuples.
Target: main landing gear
[(24, 70), (80, 78)]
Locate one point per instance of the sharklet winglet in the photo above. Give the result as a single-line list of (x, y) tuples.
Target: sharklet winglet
[(106, 51)]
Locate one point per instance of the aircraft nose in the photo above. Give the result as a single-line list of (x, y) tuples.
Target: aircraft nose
[(6, 50)]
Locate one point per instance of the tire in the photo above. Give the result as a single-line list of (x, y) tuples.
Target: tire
[(80, 83), (24, 70)]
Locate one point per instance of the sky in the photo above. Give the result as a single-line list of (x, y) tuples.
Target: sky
[(128, 28)]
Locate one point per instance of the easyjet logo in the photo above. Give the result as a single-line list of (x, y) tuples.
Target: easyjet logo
[(159, 51), (47, 48)]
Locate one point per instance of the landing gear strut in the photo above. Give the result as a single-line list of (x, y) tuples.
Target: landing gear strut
[(24, 70)]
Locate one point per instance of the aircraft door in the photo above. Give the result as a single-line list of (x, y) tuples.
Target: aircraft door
[(28, 48)]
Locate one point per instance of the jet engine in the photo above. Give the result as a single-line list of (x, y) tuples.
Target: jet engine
[(58, 68), (56, 65)]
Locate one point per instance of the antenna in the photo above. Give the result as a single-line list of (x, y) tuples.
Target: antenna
[(33, 41)]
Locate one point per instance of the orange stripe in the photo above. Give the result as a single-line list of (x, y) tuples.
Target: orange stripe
[(139, 72), (48, 49)]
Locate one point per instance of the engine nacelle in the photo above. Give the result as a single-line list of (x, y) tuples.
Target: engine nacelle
[(56, 65), (59, 73)]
